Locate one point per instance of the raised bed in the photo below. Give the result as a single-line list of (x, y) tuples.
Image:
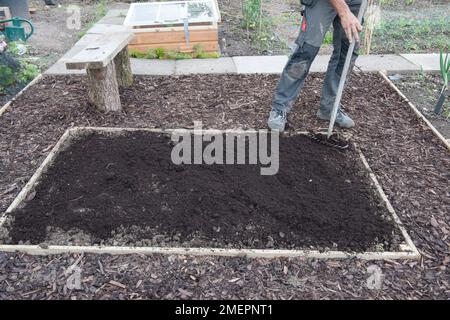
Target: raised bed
[(323, 203)]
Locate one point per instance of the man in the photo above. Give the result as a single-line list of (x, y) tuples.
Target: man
[(317, 19)]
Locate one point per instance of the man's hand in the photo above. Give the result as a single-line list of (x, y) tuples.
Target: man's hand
[(351, 26), (349, 21)]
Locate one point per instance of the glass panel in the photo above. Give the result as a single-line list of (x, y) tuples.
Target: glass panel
[(144, 14), (201, 11), (172, 12), (155, 13)]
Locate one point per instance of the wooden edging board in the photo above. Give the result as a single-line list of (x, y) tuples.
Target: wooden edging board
[(408, 249)]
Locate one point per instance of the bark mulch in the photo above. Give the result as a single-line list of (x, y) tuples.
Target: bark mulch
[(411, 164)]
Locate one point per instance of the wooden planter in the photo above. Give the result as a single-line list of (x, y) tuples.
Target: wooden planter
[(173, 38), (179, 25)]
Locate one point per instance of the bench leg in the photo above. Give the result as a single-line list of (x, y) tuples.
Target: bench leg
[(103, 90), (123, 68)]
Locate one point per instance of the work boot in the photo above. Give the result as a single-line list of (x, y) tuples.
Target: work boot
[(342, 119), (277, 120)]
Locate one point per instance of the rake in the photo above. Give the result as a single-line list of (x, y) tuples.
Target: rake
[(330, 139)]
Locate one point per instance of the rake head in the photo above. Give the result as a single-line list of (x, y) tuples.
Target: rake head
[(335, 140)]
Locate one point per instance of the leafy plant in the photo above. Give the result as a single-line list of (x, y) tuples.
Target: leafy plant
[(177, 55), (258, 26), (251, 11), (15, 72), (208, 55), (328, 39), (445, 74), (137, 54), (27, 72), (162, 54)]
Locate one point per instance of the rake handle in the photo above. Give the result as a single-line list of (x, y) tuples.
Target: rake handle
[(348, 59)]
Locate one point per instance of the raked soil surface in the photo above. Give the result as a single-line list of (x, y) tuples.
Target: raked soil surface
[(125, 190), (412, 165)]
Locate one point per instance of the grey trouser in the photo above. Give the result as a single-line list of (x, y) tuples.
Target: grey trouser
[(319, 18)]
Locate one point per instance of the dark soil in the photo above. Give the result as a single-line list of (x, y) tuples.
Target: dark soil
[(319, 198), (412, 166)]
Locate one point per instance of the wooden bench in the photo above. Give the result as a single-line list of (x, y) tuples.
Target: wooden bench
[(107, 64)]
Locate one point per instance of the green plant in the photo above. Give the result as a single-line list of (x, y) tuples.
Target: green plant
[(259, 26), (208, 55), (445, 68), (162, 54), (6, 77), (176, 55), (198, 49), (151, 54), (137, 54), (15, 71), (407, 33), (28, 72), (421, 74), (444, 63), (252, 13), (328, 38)]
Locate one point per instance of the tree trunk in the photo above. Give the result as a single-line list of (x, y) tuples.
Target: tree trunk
[(123, 68), (103, 89)]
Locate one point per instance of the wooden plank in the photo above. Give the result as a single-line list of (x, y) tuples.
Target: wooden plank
[(219, 252), (99, 54), (107, 28), (166, 29), (210, 46), (174, 37), (218, 11)]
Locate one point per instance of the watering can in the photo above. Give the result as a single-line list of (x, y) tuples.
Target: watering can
[(16, 31)]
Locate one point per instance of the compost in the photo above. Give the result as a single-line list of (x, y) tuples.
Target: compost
[(127, 187)]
